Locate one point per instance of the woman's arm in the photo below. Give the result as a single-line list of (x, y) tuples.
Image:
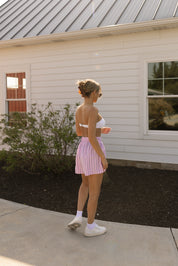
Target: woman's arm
[(105, 130), (92, 135)]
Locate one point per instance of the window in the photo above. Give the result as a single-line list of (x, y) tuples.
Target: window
[(162, 96), (15, 93), (12, 83)]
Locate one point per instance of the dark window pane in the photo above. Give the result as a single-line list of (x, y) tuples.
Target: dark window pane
[(155, 70), (171, 69), (171, 86), (155, 87), (163, 113), (17, 106)]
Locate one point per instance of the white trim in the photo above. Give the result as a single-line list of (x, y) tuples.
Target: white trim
[(145, 132), (162, 96), (16, 69), (16, 100)]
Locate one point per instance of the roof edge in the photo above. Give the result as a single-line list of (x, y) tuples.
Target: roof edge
[(94, 32)]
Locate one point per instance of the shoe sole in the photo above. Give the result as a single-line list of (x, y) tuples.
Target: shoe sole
[(88, 235), (74, 226)]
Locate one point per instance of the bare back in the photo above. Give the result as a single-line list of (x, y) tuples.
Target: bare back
[(82, 117)]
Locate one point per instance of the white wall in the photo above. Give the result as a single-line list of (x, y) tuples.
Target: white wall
[(119, 64)]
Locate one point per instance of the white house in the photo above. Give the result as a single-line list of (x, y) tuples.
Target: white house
[(129, 46)]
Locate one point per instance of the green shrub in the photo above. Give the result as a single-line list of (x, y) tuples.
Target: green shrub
[(40, 141)]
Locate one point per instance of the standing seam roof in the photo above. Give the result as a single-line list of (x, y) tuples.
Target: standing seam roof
[(28, 18)]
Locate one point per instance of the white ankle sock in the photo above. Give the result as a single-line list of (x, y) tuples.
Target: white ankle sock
[(91, 226), (79, 213)]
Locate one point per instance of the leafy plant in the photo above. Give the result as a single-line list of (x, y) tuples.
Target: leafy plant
[(41, 141)]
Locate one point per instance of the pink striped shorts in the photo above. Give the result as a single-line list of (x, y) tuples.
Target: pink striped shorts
[(88, 162)]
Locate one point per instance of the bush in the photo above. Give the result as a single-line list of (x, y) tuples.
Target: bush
[(40, 141)]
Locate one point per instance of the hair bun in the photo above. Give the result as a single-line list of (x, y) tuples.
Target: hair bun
[(81, 87), (86, 87), (81, 84)]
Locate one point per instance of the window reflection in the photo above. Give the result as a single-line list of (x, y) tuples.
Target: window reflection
[(24, 84), (163, 78), (171, 69), (163, 82), (163, 113), (155, 87), (16, 94), (171, 87), (12, 83), (15, 88), (155, 70)]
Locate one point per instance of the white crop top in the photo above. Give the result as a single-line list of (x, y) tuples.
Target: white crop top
[(99, 124)]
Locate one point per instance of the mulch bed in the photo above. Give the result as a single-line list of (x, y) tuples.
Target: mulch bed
[(128, 195)]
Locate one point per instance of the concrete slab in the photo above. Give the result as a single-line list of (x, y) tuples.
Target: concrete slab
[(39, 237), (7, 207), (175, 234)]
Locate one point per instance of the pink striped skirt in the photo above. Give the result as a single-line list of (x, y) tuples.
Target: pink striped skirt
[(88, 162)]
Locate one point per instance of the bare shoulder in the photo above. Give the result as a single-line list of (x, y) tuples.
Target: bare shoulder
[(93, 114), (94, 110), (78, 109)]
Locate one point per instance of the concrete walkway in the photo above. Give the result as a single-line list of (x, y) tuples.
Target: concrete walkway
[(31, 236)]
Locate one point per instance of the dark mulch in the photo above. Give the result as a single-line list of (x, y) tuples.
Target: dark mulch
[(129, 195)]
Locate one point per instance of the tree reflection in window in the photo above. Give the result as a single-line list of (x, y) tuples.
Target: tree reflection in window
[(163, 95)]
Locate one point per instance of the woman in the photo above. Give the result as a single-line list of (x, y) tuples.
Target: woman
[(91, 160)]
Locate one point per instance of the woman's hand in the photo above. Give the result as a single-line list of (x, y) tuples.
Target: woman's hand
[(104, 163), (105, 130)]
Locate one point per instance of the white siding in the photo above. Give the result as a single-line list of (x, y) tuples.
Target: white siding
[(116, 62)]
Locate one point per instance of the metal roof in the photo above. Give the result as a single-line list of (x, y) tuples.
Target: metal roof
[(29, 18)]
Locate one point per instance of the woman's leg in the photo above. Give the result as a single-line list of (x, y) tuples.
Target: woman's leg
[(83, 193), (82, 197), (95, 182)]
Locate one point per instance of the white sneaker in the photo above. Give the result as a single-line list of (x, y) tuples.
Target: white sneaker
[(76, 222), (96, 231)]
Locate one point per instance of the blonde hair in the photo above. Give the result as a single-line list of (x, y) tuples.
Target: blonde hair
[(86, 87)]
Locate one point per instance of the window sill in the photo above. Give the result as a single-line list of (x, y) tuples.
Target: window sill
[(161, 135)]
